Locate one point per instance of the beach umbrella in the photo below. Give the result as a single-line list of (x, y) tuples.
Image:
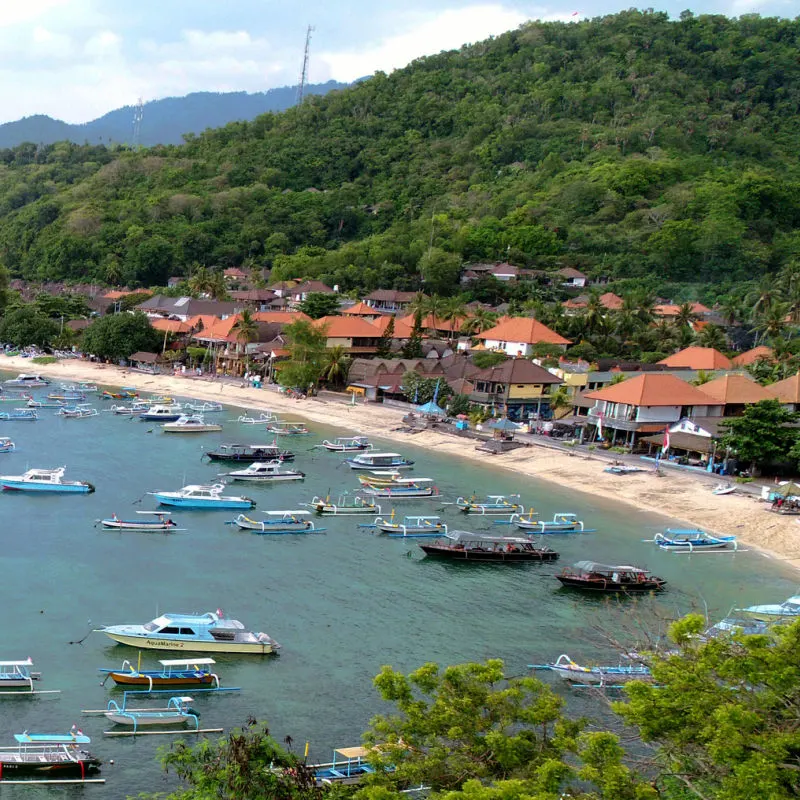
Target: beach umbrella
[(431, 408), (789, 490), (504, 424)]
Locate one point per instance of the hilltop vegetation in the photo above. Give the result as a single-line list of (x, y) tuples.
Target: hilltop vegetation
[(627, 146)]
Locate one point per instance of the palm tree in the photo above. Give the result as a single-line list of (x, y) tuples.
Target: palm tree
[(712, 336), (772, 322), (200, 281), (593, 314), (684, 337), (481, 320), (217, 288), (702, 377), (731, 310), (453, 312), (645, 302), (335, 365), (434, 307), (246, 328), (762, 297), (560, 399), (685, 316), (626, 323)]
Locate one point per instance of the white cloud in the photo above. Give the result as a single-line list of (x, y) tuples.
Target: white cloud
[(446, 30), (103, 45), (47, 44), (16, 12)]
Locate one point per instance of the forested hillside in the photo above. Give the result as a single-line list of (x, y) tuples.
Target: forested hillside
[(626, 146)]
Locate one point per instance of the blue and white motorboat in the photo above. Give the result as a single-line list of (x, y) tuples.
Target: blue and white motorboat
[(198, 496), (162, 413), (28, 381), (290, 521), (689, 540), (776, 612), (370, 460), (566, 668), (19, 415), (44, 480), (6, 445), (211, 632)]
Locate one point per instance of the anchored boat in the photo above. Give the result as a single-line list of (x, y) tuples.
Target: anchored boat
[(345, 444), (263, 419), (404, 488), (202, 497), (203, 408), (162, 413), (348, 767), (190, 424), (177, 712), (6, 445), (345, 504), (287, 428), (44, 480), (566, 668), (372, 460), (250, 453), (413, 527), (621, 579), (774, 613), (28, 381), (77, 412), (260, 472), (493, 504), (16, 677), (173, 672), (136, 408), (83, 388), (48, 756), (278, 522), (19, 415), (561, 523), (467, 546), (200, 633), (679, 540), (162, 522)]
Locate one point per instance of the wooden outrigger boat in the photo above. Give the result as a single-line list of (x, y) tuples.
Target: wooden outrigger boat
[(677, 540), (77, 412), (19, 415), (608, 578), (493, 504), (467, 546), (278, 522), (17, 678), (250, 453), (344, 444), (379, 477), (349, 766), (46, 404), (177, 712), (70, 397), (344, 505), (161, 524), (203, 408), (280, 428), (410, 527), (126, 393), (605, 676), (263, 419), (777, 612), (46, 757), (561, 523), (371, 460), (174, 672), (136, 408), (85, 388), (403, 489)]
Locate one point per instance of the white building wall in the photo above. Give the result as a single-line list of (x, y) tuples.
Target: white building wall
[(658, 414), (510, 348)]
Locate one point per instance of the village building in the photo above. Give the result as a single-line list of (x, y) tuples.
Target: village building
[(762, 352), (518, 336), (697, 358), (389, 300), (788, 392), (572, 278), (733, 393), (356, 335)]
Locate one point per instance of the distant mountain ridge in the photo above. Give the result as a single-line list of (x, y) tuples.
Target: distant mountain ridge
[(164, 121)]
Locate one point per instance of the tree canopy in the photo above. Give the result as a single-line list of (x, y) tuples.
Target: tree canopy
[(117, 336)]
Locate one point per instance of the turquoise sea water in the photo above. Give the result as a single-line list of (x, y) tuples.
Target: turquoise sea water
[(341, 603)]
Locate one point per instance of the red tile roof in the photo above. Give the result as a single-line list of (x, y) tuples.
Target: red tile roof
[(401, 329), (671, 310), (751, 356), (171, 325), (698, 358), (286, 317), (347, 328), (787, 390), (361, 310), (652, 389), (438, 324), (737, 389), (524, 330)]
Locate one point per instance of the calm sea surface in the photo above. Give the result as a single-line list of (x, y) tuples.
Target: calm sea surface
[(342, 604)]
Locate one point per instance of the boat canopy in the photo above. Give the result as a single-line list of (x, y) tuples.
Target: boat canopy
[(156, 513), (377, 455), (51, 738), (288, 513), (352, 752), (26, 663), (593, 566), (487, 538), (186, 662)]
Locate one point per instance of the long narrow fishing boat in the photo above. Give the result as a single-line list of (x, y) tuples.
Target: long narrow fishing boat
[(48, 756), (561, 523), (193, 423), (404, 489), (46, 404), (411, 527), (612, 579), (346, 444), (789, 608), (566, 668), (290, 521), (202, 497), (269, 472), (67, 397), (161, 524), (348, 767), (84, 388), (77, 412), (126, 393), (379, 477), (280, 428), (492, 504), (17, 675), (344, 505), (250, 453), (19, 415), (177, 713), (44, 480), (262, 419), (484, 547), (173, 672), (136, 408), (689, 540), (370, 460), (211, 632), (203, 408)]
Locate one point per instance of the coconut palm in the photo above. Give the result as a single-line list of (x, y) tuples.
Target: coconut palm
[(702, 377), (335, 365), (645, 302), (560, 399), (712, 336), (246, 328), (761, 298), (772, 323), (200, 281), (684, 337), (454, 311), (435, 307), (481, 320), (731, 310), (685, 316)]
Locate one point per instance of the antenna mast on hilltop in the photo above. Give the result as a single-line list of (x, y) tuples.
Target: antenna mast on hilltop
[(138, 113), (304, 74)]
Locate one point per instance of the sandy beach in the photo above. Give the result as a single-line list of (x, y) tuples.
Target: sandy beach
[(676, 495)]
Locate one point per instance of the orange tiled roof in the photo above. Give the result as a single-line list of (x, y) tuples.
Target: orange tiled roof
[(787, 390), (361, 310), (751, 356), (524, 330), (219, 330), (452, 326), (401, 329), (736, 389), (347, 328), (697, 358), (652, 389), (201, 321), (117, 294), (613, 302), (669, 310), (171, 325), (280, 316)]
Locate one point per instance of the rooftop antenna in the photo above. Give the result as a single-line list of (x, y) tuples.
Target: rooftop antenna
[(304, 74), (138, 113)]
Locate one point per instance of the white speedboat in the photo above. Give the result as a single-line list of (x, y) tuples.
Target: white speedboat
[(261, 472), (211, 632), (162, 413), (44, 480), (202, 497), (193, 423), (28, 381)]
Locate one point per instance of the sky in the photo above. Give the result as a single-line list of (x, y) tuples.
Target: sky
[(77, 59)]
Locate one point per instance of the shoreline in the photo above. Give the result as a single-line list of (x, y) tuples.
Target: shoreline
[(673, 495)]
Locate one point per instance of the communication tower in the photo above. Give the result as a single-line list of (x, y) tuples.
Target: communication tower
[(138, 113), (304, 74)]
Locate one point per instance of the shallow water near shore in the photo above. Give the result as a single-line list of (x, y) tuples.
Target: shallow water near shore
[(342, 603)]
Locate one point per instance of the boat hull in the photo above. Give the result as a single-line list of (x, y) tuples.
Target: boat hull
[(611, 587), (155, 643), (345, 510), (140, 720), (123, 525), (289, 476), (601, 676), (129, 679), (194, 429), (283, 455), (63, 488), (46, 769), (203, 504), (493, 556)]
